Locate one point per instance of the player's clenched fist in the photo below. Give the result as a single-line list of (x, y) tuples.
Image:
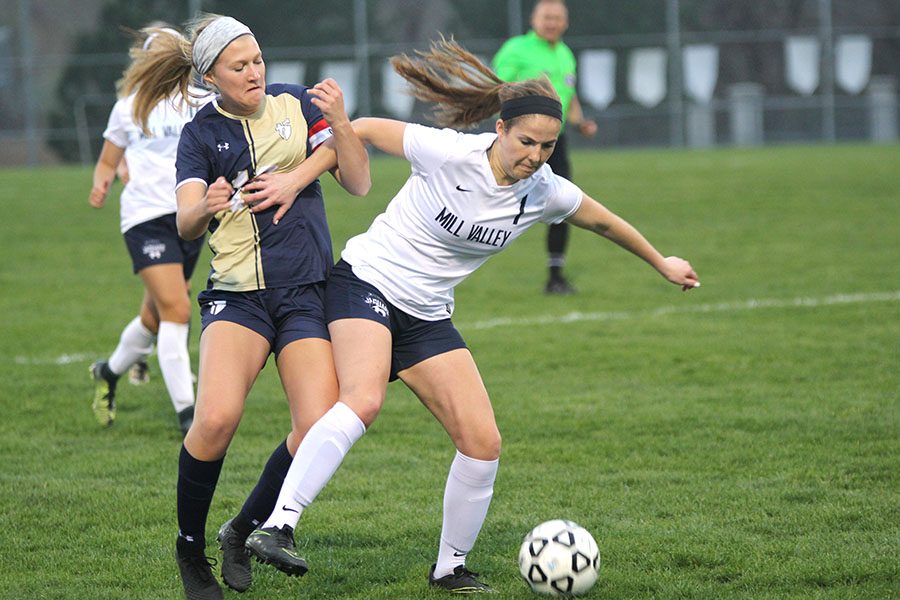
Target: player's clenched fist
[(218, 196)]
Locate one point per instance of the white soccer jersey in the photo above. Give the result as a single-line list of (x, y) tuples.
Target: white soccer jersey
[(150, 192), (449, 218)]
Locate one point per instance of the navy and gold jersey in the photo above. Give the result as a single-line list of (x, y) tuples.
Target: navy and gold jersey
[(249, 252)]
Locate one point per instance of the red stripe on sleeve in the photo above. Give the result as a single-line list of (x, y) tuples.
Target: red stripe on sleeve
[(322, 124)]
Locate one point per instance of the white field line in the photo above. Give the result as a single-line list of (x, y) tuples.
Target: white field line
[(723, 307), (580, 317), (65, 359)]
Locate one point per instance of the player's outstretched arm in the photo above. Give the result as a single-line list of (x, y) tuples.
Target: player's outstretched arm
[(384, 134), (593, 216)]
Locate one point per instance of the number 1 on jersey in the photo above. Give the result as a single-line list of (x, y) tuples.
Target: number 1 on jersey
[(521, 210)]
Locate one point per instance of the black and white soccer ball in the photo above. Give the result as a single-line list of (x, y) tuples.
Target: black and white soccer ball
[(559, 558)]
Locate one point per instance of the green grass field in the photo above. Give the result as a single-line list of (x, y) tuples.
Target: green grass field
[(738, 441)]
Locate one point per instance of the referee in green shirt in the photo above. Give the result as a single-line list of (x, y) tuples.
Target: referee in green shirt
[(541, 51)]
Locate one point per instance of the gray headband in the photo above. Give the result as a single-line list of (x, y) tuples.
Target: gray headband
[(214, 38)]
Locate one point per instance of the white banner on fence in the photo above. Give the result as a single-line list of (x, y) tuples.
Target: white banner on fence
[(345, 73), (701, 71), (647, 76), (285, 71), (597, 77), (853, 62), (802, 63), (395, 91)]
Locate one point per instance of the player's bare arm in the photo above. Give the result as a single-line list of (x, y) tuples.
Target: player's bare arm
[(197, 205), (593, 216), (352, 170), (105, 172), (384, 134)]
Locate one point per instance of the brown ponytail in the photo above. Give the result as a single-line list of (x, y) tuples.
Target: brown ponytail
[(162, 69), (465, 90)]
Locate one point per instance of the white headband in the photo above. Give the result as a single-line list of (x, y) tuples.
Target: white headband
[(155, 34), (214, 38)]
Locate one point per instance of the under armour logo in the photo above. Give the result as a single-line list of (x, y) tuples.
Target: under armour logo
[(216, 306), (222, 146)]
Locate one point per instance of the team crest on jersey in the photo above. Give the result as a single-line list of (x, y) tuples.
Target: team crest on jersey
[(376, 304), (284, 129), (216, 306), (153, 249)]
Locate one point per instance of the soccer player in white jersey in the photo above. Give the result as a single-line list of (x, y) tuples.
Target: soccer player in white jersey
[(162, 259), (265, 292), (390, 299)]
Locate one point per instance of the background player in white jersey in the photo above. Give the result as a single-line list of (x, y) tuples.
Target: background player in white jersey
[(390, 299), (265, 293), (162, 259)]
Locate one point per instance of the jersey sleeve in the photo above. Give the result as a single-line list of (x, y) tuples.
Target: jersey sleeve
[(116, 128), (506, 62), (427, 148), (192, 162), (564, 198)]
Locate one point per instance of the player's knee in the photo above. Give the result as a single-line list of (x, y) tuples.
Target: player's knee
[(176, 311), (482, 444), (214, 428), (365, 405)]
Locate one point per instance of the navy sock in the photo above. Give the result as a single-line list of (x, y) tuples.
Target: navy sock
[(197, 481), (557, 239), (261, 501)]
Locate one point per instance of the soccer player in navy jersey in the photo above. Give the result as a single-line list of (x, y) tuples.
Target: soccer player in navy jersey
[(271, 255), (163, 261), (389, 300)]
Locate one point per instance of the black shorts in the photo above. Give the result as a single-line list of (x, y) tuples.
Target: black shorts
[(349, 297), (559, 160), (281, 315), (156, 242)]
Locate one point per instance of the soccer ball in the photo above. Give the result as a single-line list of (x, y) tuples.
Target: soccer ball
[(559, 558)]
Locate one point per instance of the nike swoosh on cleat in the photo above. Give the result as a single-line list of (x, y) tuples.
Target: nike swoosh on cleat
[(461, 189)]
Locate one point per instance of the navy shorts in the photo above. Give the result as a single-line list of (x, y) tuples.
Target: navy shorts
[(349, 297), (281, 315), (156, 242)]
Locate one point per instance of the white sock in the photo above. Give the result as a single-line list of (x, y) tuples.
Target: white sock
[(470, 487), (175, 363), (135, 343), (320, 454)]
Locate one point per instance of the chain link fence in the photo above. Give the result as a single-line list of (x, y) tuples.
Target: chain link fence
[(678, 73)]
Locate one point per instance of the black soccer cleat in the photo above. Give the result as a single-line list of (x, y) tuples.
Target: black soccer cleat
[(104, 404), (197, 577), (274, 546), (559, 286), (460, 581), (236, 571), (185, 419)]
